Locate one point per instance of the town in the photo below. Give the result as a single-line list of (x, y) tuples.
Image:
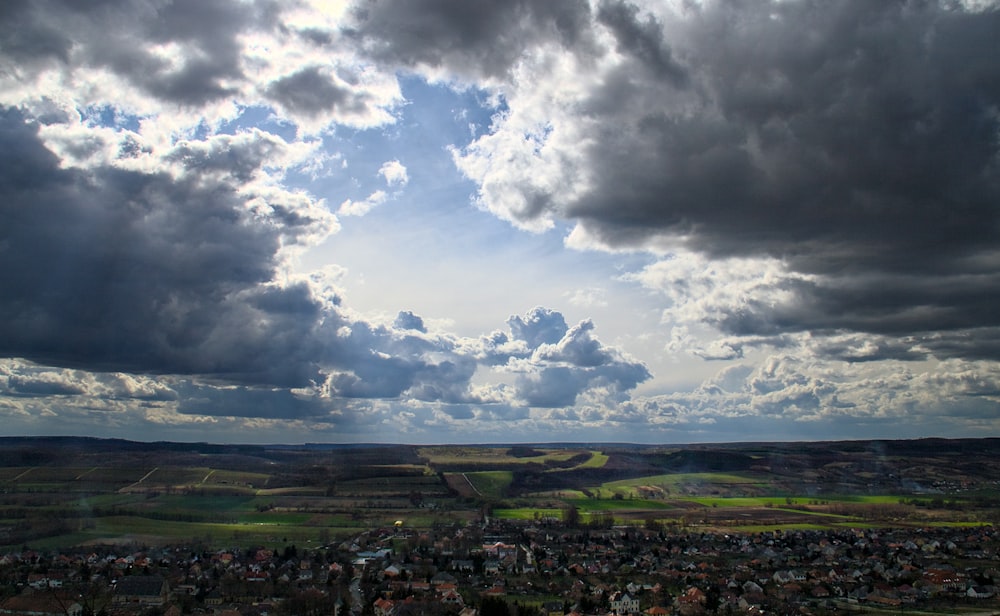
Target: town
[(531, 568)]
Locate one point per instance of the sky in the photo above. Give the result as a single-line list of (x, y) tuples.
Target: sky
[(500, 221)]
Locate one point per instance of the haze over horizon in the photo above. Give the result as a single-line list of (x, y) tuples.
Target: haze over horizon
[(441, 221)]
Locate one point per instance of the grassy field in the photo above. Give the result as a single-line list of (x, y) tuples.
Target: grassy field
[(527, 513), (804, 501), (306, 496), (472, 457), (665, 486), (597, 460), (490, 484), (589, 505)]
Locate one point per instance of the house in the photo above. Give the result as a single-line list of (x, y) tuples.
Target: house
[(443, 578), (44, 604), (214, 597), (944, 580), (692, 596), (623, 603), (255, 575), (552, 608), (142, 589), (451, 597), (392, 571), (979, 592), (500, 550), (384, 607)]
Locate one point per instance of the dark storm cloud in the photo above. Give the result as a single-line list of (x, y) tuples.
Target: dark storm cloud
[(311, 92), (854, 141), (835, 134), (170, 272), (380, 362), (250, 402), (46, 385), (118, 36), (642, 38), (475, 39), (112, 269), (906, 317)]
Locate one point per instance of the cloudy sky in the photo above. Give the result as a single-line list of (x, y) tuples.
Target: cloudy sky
[(434, 221)]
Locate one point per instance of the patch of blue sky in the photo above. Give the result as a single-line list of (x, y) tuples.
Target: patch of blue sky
[(110, 117), (262, 117), (428, 248)]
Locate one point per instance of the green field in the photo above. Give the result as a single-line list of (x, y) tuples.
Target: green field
[(674, 484), (472, 457), (589, 505), (490, 484), (176, 494), (597, 460), (527, 513)]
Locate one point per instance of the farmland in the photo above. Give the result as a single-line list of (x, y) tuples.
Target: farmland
[(66, 491)]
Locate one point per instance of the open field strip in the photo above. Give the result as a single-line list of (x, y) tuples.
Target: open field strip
[(291, 491), (194, 502), (684, 478), (490, 483), (558, 494), (588, 505), (824, 514), (472, 457), (9, 473), (767, 528), (85, 473), (737, 501), (53, 474), (405, 469), (666, 485), (237, 478), (957, 524), (527, 513), (467, 456), (803, 501), (130, 529), (596, 460)]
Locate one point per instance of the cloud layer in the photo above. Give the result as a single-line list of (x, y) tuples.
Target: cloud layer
[(855, 143), (814, 185)]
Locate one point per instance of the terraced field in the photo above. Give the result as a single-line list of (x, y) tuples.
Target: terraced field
[(80, 491)]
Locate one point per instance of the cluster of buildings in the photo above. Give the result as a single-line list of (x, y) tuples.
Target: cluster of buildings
[(533, 569)]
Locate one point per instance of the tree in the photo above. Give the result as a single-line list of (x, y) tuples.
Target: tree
[(493, 606), (571, 516)]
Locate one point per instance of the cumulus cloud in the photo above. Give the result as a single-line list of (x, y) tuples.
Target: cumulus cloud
[(188, 62), (359, 208), (769, 133), (312, 91), (481, 41), (555, 364), (407, 320), (161, 271), (539, 326), (394, 173)]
